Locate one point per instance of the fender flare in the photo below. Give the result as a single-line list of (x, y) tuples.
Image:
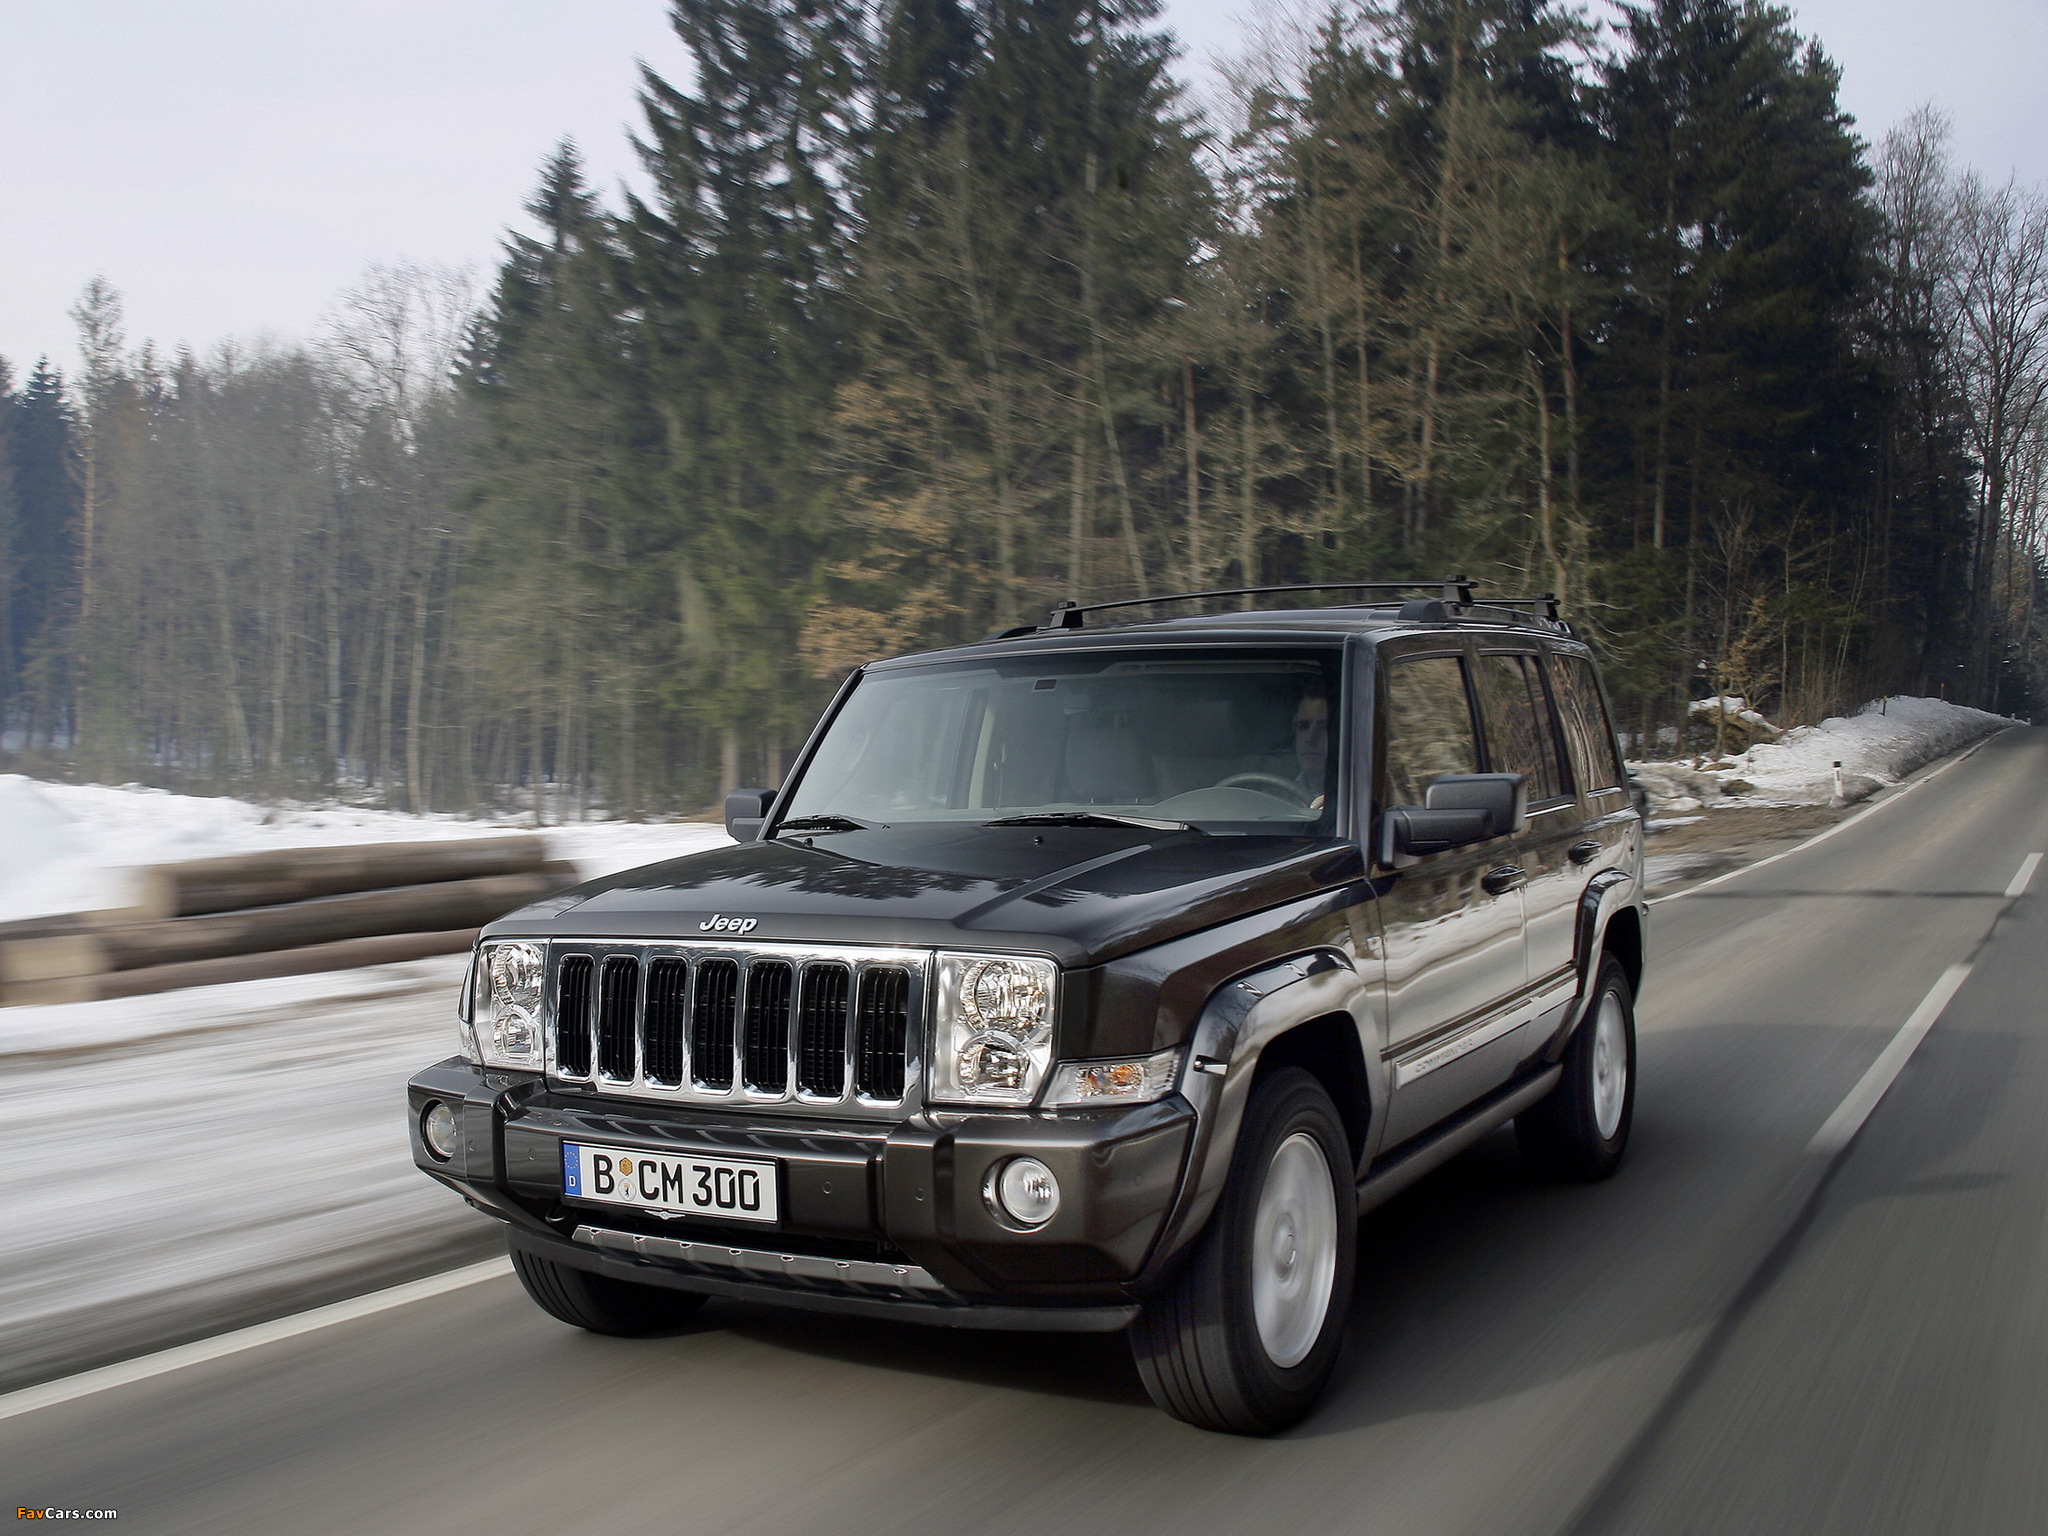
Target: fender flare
[(1606, 894), (1242, 1018)]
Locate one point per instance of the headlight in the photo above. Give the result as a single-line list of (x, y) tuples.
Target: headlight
[(1137, 1080), (994, 1028), (507, 993)]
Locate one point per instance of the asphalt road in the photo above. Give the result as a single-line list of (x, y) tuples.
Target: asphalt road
[(1738, 1334)]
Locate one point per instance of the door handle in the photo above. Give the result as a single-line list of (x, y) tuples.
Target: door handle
[(1583, 853), (1498, 882)]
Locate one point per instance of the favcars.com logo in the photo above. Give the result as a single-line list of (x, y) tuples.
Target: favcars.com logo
[(23, 1512)]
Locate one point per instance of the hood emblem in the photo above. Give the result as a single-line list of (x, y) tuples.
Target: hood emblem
[(719, 923)]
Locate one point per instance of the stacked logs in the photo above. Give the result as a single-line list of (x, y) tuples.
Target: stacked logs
[(285, 913)]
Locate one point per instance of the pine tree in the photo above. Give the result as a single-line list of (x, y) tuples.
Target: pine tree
[(738, 263), (1746, 412), (557, 592), (1424, 205), (10, 576), (41, 452), (1030, 218)]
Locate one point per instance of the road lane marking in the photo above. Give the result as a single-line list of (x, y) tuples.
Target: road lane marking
[(2021, 880), (1869, 808), (69, 1388), (1841, 1127)]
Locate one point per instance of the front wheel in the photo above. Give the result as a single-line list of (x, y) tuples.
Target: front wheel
[(622, 1308), (1246, 1336), (1579, 1129)]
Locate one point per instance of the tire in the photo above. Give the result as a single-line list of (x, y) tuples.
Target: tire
[(621, 1308), (1242, 1341), (1579, 1130)]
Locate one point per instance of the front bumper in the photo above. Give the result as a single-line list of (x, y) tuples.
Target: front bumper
[(875, 1218)]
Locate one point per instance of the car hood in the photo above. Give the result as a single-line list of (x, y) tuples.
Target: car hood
[(1080, 894)]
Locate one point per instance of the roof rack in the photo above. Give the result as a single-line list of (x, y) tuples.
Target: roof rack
[(1449, 597), (1449, 589)]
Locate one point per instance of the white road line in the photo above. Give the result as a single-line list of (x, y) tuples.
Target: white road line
[(1842, 1126), (1869, 808), (2025, 877), (69, 1388)]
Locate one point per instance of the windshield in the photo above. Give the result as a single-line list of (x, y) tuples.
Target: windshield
[(1226, 741)]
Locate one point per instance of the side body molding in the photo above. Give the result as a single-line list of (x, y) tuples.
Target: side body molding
[(1242, 1018)]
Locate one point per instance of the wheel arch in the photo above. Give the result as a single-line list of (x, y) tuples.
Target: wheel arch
[(1327, 1049), (1610, 921), (1311, 1011), (1623, 939)]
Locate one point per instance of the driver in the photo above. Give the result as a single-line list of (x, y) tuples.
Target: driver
[(1312, 746)]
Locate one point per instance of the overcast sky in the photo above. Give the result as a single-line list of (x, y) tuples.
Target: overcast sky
[(230, 165)]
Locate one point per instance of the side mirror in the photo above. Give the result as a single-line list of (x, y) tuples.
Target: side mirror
[(1503, 796), (1459, 809), (745, 810)]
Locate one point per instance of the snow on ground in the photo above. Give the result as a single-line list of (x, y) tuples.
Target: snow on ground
[(184, 1163), (1877, 746), (70, 847)]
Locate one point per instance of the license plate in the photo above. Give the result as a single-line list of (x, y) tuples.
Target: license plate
[(725, 1187)]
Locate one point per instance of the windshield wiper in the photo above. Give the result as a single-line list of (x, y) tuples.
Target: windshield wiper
[(1090, 819), (830, 823)]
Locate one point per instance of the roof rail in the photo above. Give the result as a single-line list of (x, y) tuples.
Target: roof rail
[(1544, 605), (1449, 589)]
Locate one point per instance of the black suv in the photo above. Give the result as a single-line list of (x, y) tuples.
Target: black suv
[(1089, 977)]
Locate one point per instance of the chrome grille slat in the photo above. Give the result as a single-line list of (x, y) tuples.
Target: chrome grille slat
[(572, 1016), (710, 1022), (821, 1030), (618, 1004), (884, 1032), (664, 1022), (765, 1059)]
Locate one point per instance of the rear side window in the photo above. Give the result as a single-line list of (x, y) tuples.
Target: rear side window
[(1595, 756), (1429, 726), (1521, 736)]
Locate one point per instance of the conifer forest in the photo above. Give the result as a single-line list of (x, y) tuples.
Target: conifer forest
[(929, 315)]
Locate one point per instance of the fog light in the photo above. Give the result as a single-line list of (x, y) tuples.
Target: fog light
[(1025, 1190), (441, 1130)]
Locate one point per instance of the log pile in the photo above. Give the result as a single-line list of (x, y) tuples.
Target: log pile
[(278, 914)]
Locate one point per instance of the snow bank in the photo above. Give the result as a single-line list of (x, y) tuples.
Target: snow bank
[(1732, 711), (1877, 746), (70, 847)]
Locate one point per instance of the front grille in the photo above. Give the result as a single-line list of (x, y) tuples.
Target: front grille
[(764, 1025)]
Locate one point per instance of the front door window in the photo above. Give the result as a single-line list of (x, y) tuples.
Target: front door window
[(1429, 726)]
